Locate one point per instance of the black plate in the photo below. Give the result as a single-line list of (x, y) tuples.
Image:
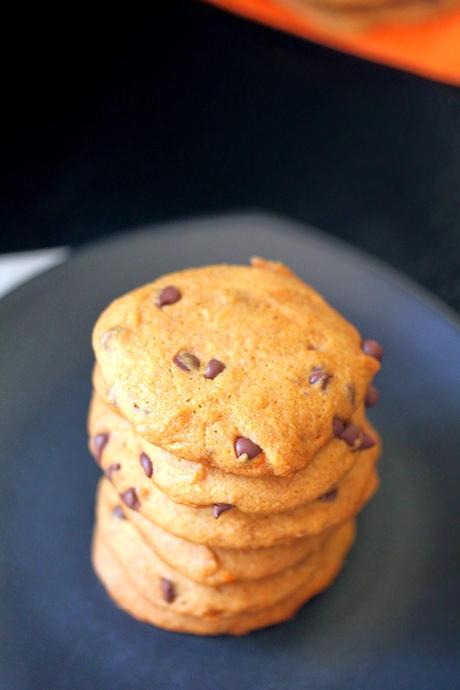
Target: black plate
[(390, 621)]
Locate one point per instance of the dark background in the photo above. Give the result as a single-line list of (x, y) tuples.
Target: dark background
[(191, 111)]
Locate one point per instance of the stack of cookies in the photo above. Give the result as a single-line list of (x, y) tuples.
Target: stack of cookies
[(228, 417)]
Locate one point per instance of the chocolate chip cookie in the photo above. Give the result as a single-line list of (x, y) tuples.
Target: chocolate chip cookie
[(229, 420), (203, 485), (211, 566), (243, 368)]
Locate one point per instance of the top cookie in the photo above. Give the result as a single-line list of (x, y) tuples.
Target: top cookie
[(245, 368)]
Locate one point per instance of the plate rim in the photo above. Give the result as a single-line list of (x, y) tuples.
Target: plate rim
[(385, 271), (51, 277)]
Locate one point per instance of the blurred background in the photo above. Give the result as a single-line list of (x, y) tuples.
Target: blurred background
[(193, 111)]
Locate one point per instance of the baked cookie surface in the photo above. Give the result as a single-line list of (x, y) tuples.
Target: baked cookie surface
[(210, 566), (243, 368), (237, 530), (121, 587), (149, 572), (203, 485)]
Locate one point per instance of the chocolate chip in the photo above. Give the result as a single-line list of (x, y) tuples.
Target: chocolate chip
[(146, 464), (338, 426), (169, 295), (366, 442), (372, 396), (114, 467), (330, 495), (373, 348), (321, 376), (118, 513), (351, 434), (168, 590), (130, 499), (219, 508), (213, 368), (246, 449), (99, 442), (186, 361)]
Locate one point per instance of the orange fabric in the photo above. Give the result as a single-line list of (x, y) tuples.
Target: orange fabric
[(429, 48)]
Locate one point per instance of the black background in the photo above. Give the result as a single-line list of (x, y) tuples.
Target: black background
[(188, 111)]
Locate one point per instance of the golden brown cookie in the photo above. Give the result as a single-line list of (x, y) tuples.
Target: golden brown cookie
[(119, 585), (196, 484), (243, 368), (237, 530), (149, 573), (211, 566)]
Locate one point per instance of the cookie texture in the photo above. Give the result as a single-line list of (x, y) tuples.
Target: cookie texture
[(271, 332), (235, 529), (197, 484), (229, 421), (126, 594), (192, 598), (141, 591), (213, 566)]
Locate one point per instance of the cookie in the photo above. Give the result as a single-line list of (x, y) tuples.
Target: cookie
[(120, 587), (237, 530), (149, 573), (243, 368), (196, 484), (229, 421), (211, 566)]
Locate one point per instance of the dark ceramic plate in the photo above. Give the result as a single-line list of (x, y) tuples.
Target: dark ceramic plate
[(390, 620)]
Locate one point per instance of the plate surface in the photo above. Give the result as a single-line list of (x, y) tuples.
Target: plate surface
[(390, 620)]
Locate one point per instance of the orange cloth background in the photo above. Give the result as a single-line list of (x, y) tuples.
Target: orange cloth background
[(429, 48)]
